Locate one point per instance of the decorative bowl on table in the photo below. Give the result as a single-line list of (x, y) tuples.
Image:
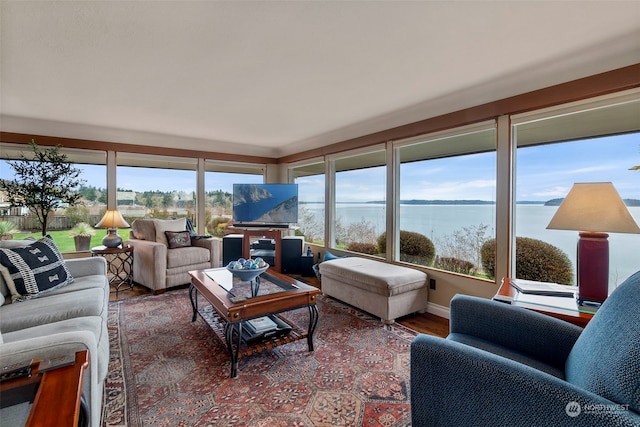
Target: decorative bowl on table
[(247, 270)]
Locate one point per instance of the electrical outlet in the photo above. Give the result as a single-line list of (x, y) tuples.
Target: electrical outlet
[(432, 284)]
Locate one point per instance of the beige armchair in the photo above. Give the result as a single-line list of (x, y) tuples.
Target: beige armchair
[(158, 263)]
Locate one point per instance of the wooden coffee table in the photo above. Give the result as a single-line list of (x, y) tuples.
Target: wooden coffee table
[(236, 302)]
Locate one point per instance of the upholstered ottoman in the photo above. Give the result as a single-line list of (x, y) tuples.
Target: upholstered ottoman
[(385, 290)]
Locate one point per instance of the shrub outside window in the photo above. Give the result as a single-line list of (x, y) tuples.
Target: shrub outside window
[(447, 194)]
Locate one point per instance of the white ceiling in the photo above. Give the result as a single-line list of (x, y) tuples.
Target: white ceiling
[(273, 78)]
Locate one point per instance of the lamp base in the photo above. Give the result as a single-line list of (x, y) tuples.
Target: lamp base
[(593, 267), (112, 239)]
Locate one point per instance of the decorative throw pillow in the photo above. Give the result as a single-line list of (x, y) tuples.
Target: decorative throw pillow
[(328, 256), (178, 239), (163, 225), (34, 269)]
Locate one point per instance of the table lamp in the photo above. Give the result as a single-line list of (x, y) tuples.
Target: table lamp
[(594, 209), (112, 220)]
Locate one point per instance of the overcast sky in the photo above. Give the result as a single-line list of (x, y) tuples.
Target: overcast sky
[(543, 173)]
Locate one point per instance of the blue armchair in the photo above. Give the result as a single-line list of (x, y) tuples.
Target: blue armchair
[(506, 366)]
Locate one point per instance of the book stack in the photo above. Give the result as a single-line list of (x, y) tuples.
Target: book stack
[(261, 325), (543, 288)]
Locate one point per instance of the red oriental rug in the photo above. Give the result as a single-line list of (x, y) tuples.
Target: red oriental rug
[(165, 370)]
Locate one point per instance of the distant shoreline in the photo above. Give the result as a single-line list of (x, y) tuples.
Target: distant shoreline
[(552, 202)]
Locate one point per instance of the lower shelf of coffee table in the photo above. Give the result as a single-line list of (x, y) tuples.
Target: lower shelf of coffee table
[(252, 345), (282, 328)]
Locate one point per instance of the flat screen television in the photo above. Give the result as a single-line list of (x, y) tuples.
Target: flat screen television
[(268, 204)]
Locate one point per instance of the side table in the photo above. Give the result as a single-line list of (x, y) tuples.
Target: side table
[(119, 264), (564, 308), (47, 397)]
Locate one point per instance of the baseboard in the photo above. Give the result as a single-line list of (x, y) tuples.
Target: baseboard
[(438, 310)]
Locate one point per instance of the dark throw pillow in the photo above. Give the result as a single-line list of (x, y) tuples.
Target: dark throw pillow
[(178, 239), (34, 269)]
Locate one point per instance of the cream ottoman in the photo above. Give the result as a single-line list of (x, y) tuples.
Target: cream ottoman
[(385, 290)]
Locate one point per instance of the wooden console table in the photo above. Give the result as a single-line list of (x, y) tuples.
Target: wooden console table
[(275, 234)]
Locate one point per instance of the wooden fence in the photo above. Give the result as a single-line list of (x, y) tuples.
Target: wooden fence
[(56, 222)]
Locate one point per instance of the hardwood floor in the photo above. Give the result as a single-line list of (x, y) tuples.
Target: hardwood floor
[(424, 323)]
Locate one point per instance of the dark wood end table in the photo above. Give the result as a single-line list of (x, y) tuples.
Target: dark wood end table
[(58, 393), (564, 308)]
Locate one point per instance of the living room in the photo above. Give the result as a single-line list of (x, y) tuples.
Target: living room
[(574, 101)]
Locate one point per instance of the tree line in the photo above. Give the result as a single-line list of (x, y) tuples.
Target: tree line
[(152, 199)]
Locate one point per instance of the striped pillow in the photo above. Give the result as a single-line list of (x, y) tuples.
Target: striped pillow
[(34, 269)]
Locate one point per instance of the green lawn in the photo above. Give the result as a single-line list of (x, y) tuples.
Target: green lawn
[(65, 242)]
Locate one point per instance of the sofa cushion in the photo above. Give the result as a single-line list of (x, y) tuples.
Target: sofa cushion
[(34, 269), (94, 324), (144, 229), (178, 239), (95, 281), (163, 225), (54, 308), (187, 256), (606, 357)]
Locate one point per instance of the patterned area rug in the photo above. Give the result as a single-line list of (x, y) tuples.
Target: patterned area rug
[(167, 371)]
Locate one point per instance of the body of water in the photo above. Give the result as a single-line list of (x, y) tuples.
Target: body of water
[(439, 221)]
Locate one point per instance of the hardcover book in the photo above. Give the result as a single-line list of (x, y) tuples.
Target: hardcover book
[(262, 324), (543, 288)]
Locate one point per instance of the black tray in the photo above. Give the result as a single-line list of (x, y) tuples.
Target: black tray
[(283, 329)]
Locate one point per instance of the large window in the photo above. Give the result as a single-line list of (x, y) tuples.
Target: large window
[(447, 195), (596, 141), (311, 207), (155, 186), (90, 209), (219, 179), (360, 202)]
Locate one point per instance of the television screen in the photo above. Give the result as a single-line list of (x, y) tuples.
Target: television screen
[(265, 203)]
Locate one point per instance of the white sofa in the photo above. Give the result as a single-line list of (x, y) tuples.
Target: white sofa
[(60, 322)]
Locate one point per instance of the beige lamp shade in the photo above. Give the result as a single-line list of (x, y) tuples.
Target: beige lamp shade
[(596, 207), (112, 219)]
